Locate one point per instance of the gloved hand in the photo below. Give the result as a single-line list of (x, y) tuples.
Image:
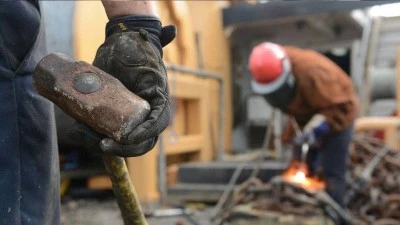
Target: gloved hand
[(308, 137), (313, 131), (311, 137), (132, 52)]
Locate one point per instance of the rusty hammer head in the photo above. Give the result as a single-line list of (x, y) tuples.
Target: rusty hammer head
[(90, 96)]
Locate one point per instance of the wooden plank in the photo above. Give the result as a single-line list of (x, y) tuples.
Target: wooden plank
[(178, 113), (391, 137), (215, 50), (389, 125), (398, 81), (186, 86), (171, 51), (180, 16), (99, 182), (143, 173), (185, 144), (376, 123), (214, 111), (89, 34), (172, 174), (193, 122), (204, 121)]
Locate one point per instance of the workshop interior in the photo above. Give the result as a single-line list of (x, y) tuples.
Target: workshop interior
[(237, 152)]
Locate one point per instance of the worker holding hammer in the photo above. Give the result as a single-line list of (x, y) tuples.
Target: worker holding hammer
[(131, 52), (318, 94)]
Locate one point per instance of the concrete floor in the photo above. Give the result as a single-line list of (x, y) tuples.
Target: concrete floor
[(106, 212), (90, 212)]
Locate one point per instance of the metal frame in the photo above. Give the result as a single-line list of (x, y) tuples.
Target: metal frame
[(368, 48), (253, 13)]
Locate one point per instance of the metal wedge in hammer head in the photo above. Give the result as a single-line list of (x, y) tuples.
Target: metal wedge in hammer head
[(90, 96)]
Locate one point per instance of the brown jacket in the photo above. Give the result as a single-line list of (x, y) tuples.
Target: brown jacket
[(321, 87)]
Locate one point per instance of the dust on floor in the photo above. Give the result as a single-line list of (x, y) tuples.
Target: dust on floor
[(106, 212)]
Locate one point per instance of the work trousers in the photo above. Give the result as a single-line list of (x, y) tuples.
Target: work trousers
[(334, 161), (332, 157), (29, 171)]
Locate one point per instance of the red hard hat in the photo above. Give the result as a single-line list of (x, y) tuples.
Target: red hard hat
[(265, 62)]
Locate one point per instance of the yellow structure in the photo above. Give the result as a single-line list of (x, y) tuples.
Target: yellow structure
[(390, 126), (200, 43)]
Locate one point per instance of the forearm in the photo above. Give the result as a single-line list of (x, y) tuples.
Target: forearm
[(116, 8)]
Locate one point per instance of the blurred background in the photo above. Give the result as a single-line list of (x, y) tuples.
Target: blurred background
[(217, 121)]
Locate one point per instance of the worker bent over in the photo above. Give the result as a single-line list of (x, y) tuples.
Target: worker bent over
[(318, 95)]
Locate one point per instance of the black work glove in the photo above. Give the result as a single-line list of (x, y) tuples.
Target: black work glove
[(132, 53)]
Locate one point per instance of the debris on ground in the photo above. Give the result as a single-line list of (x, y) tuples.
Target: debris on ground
[(91, 212), (377, 199), (280, 197), (373, 198), (106, 212), (373, 192)]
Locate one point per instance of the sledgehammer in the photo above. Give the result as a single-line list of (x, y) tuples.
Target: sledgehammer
[(91, 96)]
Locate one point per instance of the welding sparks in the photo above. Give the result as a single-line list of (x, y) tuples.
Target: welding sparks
[(296, 174), (299, 177)]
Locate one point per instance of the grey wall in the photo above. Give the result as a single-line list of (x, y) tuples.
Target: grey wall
[(388, 42), (58, 19)]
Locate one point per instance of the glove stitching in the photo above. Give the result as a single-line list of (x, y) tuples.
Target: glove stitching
[(163, 127), (139, 79)]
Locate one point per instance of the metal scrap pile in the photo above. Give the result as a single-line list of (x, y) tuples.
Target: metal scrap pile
[(378, 201), (286, 198), (373, 194)]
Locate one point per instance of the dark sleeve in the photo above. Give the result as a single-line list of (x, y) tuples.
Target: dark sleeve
[(19, 26)]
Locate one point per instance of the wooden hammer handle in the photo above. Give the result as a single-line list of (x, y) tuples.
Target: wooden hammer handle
[(124, 191)]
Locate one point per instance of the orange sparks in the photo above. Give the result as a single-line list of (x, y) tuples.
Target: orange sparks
[(296, 173), (299, 177)]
